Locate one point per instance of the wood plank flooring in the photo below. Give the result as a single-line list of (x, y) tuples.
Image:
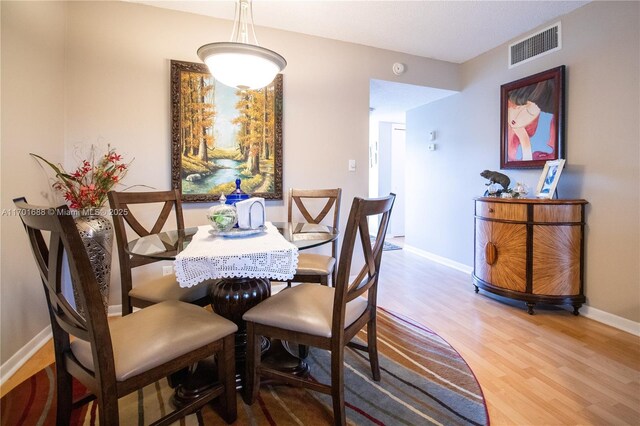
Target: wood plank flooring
[(551, 368)]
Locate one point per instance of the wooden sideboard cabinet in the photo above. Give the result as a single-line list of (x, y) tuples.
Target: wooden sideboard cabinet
[(530, 250)]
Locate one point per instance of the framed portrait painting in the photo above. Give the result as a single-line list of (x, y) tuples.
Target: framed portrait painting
[(220, 134), (532, 120)]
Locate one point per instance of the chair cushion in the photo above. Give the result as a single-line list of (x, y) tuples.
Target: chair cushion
[(307, 308), (167, 288), (315, 264), (152, 336)]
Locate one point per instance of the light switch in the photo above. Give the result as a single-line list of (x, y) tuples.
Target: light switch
[(352, 165), (431, 147)]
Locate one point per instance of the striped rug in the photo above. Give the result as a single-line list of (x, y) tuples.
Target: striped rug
[(424, 382)]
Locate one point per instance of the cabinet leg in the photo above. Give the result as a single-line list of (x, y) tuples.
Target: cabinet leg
[(477, 290), (575, 308), (530, 306)]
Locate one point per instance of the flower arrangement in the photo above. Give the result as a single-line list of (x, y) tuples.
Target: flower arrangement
[(86, 188)]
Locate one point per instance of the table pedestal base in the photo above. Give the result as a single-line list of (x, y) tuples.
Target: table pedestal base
[(286, 359), (231, 298), (196, 382)]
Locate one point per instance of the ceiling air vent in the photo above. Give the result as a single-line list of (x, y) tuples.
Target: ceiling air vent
[(543, 42)]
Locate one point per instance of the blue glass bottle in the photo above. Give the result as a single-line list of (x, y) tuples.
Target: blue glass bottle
[(237, 195)]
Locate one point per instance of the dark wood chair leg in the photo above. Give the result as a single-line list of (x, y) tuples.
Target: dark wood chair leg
[(252, 384), (65, 396), (108, 409), (372, 344), (227, 375), (337, 386)]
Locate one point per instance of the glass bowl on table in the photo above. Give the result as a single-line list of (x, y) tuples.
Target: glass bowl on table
[(222, 217)]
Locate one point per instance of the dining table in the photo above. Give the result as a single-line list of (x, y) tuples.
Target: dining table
[(232, 296)]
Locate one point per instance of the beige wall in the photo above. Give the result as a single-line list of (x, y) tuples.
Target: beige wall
[(32, 121), (601, 48), (116, 89)]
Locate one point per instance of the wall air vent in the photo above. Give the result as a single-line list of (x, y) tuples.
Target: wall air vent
[(545, 41)]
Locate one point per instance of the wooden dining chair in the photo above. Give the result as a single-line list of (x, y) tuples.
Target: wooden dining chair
[(316, 268), (325, 317), (115, 358), (163, 288)]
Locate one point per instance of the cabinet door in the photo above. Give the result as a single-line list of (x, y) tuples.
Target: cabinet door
[(501, 258), (556, 260)]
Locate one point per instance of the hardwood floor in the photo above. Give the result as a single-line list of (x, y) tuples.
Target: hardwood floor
[(546, 369), (551, 368)]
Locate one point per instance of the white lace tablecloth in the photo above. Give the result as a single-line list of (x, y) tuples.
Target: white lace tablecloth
[(267, 255)]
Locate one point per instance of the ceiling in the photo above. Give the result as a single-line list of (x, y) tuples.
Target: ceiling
[(389, 100), (453, 31)]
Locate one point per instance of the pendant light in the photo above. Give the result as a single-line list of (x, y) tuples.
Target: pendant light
[(242, 63)]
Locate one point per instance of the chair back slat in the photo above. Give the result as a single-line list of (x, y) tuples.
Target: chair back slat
[(66, 247), (51, 279), (308, 216), (123, 217), (67, 316), (367, 277), (120, 202), (333, 197)]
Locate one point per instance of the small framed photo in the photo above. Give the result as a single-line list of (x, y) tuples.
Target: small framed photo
[(549, 178)]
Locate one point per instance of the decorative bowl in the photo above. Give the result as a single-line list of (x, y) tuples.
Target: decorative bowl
[(222, 217)]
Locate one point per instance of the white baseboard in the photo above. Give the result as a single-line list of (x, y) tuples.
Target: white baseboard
[(115, 310), (18, 359), (610, 319), (439, 259), (586, 310), (23, 354)]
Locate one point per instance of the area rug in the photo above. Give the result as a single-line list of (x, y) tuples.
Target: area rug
[(424, 382), (387, 245)]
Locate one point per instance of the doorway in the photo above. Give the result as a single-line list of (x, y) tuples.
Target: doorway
[(398, 148), (388, 140)]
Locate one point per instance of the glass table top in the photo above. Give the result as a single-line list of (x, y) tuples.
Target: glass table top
[(166, 245)]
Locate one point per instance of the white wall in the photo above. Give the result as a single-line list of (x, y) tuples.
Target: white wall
[(384, 158), (116, 88), (600, 47)]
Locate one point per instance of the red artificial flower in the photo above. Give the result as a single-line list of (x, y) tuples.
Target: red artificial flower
[(88, 185)]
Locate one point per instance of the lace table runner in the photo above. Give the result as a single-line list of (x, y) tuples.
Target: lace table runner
[(208, 256)]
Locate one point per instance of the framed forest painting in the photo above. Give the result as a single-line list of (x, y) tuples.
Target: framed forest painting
[(220, 134)]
